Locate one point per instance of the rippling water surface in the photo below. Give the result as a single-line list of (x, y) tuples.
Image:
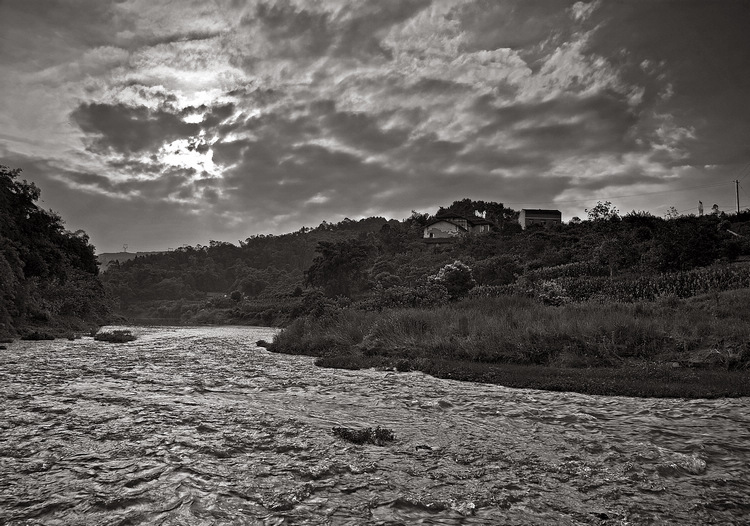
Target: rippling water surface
[(199, 426)]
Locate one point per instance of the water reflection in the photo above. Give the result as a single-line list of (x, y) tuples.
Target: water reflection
[(199, 426)]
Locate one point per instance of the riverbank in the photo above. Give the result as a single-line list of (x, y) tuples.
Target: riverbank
[(639, 378), (61, 327), (692, 348)]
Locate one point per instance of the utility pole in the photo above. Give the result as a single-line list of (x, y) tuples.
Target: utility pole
[(737, 191)]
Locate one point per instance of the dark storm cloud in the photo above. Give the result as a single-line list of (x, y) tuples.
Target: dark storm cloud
[(130, 130), (360, 130), (698, 47), (92, 180), (306, 174), (170, 181), (173, 38), (602, 122), (269, 181), (430, 151), (160, 184), (318, 120), (212, 116)]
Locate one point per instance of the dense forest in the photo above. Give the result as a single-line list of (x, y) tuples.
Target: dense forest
[(374, 263), (48, 275)]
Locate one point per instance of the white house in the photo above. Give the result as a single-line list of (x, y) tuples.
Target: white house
[(446, 226)]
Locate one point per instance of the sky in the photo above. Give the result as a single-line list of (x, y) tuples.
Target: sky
[(158, 123)]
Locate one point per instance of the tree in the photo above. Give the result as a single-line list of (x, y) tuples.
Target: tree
[(45, 270), (603, 212), (340, 267), (495, 212), (671, 213), (456, 277), (236, 296)]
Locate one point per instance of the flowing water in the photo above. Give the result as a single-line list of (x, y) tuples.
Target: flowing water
[(199, 426)]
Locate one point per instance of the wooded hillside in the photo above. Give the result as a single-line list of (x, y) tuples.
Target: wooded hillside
[(374, 263), (48, 275)]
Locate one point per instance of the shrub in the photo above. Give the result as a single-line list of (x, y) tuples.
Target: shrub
[(457, 279), (429, 295)]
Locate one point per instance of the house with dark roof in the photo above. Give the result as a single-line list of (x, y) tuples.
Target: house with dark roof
[(448, 226), (528, 217)]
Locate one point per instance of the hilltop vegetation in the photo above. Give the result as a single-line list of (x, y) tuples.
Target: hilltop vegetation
[(48, 275), (373, 264)]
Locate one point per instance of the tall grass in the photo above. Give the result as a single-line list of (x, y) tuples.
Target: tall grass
[(513, 329)]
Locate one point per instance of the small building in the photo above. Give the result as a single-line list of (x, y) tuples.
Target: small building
[(529, 217), (451, 226)]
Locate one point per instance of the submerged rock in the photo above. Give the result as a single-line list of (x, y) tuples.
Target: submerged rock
[(377, 436), (116, 336)]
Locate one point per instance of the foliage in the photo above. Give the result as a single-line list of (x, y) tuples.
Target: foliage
[(428, 295), (47, 274), (339, 269), (605, 211), (457, 279), (494, 212)]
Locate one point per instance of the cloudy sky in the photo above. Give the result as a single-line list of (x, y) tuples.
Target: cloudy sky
[(160, 123)]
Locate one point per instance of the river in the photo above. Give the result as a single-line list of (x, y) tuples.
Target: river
[(198, 425)]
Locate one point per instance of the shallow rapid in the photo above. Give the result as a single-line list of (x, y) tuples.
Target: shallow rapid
[(199, 426)]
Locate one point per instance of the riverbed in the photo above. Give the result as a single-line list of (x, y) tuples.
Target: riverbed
[(198, 425)]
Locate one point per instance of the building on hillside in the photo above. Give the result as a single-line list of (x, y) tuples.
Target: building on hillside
[(446, 227), (529, 217)]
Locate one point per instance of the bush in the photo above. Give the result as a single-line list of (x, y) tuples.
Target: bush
[(457, 279), (397, 297)]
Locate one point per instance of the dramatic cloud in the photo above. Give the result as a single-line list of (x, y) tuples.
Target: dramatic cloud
[(156, 124), (130, 130)]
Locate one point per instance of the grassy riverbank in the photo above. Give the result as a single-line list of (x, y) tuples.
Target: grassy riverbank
[(695, 347)]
